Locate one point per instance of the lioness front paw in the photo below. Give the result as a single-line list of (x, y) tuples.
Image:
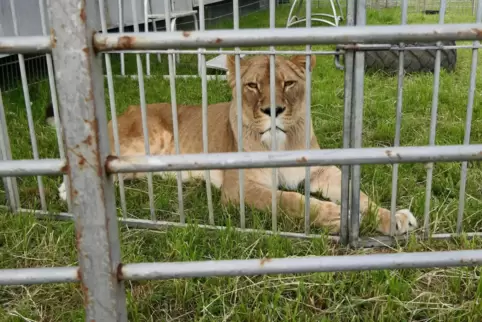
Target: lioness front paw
[(327, 215), (62, 192), (405, 222)]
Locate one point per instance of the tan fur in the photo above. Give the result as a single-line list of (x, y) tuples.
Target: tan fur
[(222, 137)]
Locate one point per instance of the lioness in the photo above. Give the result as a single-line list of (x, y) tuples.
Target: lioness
[(256, 119)]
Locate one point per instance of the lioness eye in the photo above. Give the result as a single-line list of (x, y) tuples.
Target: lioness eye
[(289, 83), (252, 85)]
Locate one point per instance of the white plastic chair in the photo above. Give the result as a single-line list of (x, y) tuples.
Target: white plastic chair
[(332, 18), (149, 16)]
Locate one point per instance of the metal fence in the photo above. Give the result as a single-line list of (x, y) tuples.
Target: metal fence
[(461, 6), (36, 67), (75, 49)]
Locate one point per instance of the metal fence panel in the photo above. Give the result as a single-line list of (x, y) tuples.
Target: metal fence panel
[(91, 163), (371, 34), (80, 84)]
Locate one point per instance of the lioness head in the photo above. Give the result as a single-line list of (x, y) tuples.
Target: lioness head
[(255, 90)]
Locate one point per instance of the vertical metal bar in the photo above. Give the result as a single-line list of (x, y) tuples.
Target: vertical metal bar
[(28, 106), (433, 125), (204, 89), (348, 98), (80, 82), (6, 183), (274, 143), (120, 4), (54, 101), (10, 183), (146, 29), (175, 123), (308, 122), (145, 130), (239, 111), (468, 125), (357, 125), (398, 122), (113, 110)]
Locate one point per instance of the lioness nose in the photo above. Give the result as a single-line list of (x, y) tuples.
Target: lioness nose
[(278, 110)]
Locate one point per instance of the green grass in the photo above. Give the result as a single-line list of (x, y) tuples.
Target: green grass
[(400, 295)]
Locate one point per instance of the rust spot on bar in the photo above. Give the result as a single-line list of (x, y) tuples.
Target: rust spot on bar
[(92, 123), (351, 47), (82, 14), (78, 237), (53, 39), (82, 161), (65, 169), (478, 32), (2, 46), (218, 40), (108, 160), (111, 158), (302, 160), (100, 46), (99, 173), (186, 34), (125, 42), (88, 140), (95, 131), (90, 97), (264, 261), (389, 153), (120, 276), (468, 261), (85, 290), (86, 50)]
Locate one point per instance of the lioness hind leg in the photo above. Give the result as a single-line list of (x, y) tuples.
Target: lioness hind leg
[(327, 181)]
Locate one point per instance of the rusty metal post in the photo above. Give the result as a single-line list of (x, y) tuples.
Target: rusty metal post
[(80, 84)]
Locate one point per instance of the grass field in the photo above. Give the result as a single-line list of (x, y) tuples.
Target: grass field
[(403, 295)]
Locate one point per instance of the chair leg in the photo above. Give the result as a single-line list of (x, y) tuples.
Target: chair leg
[(154, 28), (199, 55), (173, 28), (146, 26)]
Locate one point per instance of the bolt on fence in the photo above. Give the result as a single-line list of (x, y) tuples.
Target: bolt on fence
[(89, 162)]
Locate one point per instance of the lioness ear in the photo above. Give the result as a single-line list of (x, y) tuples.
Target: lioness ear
[(300, 61), (231, 66)]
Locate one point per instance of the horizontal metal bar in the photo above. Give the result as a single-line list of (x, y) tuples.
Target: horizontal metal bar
[(21, 168), (161, 224), (232, 52), (383, 47), (367, 242), (195, 76), (156, 271), (286, 36), (152, 271), (41, 275), (25, 45), (245, 160)]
